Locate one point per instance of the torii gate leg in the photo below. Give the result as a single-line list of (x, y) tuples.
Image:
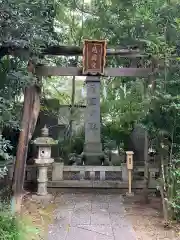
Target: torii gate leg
[(93, 147)]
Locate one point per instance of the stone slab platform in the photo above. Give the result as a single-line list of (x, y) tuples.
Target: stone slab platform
[(99, 184), (90, 216)]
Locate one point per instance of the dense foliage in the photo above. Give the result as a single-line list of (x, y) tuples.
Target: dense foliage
[(24, 25), (28, 25), (12, 228), (153, 26)]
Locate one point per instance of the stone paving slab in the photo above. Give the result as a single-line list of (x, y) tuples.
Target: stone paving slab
[(83, 205), (101, 229), (120, 220), (63, 216), (123, 233), (90, 217), (76, 233), (100, 218), (82, 218)]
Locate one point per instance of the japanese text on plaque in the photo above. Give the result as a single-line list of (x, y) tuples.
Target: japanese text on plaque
[(94, 53)]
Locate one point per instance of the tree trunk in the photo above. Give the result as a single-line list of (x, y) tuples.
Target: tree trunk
[(30, 114), (165, 207), (163, 191), (72, 107), (146, 169), (72, 103)]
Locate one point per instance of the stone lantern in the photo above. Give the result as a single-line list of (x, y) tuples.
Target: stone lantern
[(44, 160)]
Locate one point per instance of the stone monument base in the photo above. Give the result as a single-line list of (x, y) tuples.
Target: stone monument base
[(93, 159), (40, 198), (93, 148), (93, 154)]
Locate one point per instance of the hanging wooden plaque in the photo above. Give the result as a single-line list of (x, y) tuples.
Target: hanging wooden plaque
[(94, 57)]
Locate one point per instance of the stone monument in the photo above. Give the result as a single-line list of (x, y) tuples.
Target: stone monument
[(93, 146), (94, 53)]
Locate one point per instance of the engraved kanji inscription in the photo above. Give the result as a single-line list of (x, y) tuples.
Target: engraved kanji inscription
[(92, 126), (94, 49), (93, 65), (91, 88), (92, 101), (94, 57)]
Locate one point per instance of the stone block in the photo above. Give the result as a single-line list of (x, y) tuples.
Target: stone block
[(82, 174), (93, 148), (124, 172), (57, 172), (102, 175)]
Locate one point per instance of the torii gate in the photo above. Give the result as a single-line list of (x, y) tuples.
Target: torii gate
[(94, 58), (94, 55)]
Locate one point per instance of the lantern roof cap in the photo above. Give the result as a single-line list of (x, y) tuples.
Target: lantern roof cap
[(44, 140)]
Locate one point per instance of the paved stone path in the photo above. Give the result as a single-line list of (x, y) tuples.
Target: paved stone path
[(90, 217)]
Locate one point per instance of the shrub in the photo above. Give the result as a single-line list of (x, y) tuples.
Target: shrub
[(5, 158), (174, 190), (8, 227), (14, 228)]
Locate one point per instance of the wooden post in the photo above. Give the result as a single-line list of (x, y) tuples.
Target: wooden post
[(75, 63), (31, 110), (130, 182), (130, 168)]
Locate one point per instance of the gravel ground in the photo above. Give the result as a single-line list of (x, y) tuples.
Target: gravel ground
[(147, 220)]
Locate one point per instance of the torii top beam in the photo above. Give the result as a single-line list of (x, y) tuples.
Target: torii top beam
[(48, 71), (14, 47)]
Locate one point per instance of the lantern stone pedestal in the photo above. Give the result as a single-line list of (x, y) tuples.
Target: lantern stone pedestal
[(43, 165), (43, 161)]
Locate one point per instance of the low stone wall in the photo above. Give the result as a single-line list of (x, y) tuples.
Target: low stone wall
[(90, 176)]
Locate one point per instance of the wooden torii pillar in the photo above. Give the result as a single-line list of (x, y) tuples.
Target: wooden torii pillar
[(94, 57), (31, 108)]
